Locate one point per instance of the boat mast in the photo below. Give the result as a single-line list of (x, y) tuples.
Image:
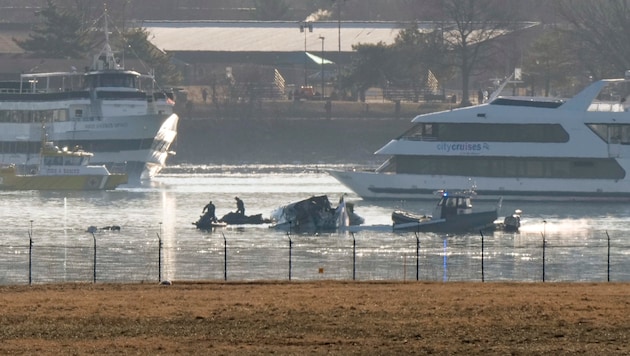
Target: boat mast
[(109, 61)]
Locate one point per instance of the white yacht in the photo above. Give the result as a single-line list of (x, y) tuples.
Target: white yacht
[(119, 115), (519, 148)]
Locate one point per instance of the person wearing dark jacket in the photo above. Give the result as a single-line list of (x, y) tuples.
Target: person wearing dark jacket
[(240, 207), (210, 208)]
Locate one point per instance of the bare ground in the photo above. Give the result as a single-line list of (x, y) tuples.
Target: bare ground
[(291, 318)]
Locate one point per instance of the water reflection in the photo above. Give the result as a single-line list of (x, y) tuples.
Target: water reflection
[(576, 235)]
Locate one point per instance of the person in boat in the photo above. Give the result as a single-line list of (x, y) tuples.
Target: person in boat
[(209, 210), (240, 206)]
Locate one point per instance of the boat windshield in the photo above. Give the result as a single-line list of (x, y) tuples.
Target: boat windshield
[(72, 160), (111, 80), (454, 201), (53, 160)]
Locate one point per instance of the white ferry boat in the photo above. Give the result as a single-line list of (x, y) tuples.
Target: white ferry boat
[(116, 114), (519, 148)]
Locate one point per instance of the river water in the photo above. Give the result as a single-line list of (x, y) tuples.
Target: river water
[(44, 237)]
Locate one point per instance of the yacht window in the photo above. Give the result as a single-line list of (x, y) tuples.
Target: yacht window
[(477, 132), (518, 167), (617, 133)]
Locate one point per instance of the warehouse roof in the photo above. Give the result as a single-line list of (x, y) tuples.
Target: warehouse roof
[(268, 36)]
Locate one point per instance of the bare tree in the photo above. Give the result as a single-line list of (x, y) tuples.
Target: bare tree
[(474, 24), (599, 30), (550, 63)]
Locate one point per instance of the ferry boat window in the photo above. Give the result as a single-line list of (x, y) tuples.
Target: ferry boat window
[(60, 115), (123, 81), (111, 80), (6, 116), (78, 113), (534, 168)]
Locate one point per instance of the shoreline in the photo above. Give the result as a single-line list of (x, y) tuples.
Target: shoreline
[(280, 132), (282, 141), (323, 317), (277, 134)]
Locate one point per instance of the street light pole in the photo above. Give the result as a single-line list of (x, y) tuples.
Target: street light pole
[(303, 26), (322, 38), (338, 79)]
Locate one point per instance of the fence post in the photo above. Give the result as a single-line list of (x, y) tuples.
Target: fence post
[(94, 263), (290, 250), (30, 259), (159, 258), (445, 263), (30, 254), (224, 257), (483, 277), (417, 256), (354, 257), (608, 263), (544, 245)]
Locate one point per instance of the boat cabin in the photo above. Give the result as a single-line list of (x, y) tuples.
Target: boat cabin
[(64, 161), (111, 79), (452, 205)]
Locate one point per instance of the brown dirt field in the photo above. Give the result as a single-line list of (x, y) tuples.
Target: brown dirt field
[(292, 318)]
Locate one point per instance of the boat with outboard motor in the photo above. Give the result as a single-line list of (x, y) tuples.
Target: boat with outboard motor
[(234, 218), (119, 115), (207, 222), (453, 213), (511, 223), (519, 148), (60, 169)]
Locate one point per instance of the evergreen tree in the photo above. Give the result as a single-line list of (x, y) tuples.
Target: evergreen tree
[(59, 35), (138, 46)]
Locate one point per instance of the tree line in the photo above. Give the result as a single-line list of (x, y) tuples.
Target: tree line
[(470, 39), (64, 33)]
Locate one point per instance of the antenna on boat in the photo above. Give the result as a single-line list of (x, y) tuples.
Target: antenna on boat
[(109, 61)]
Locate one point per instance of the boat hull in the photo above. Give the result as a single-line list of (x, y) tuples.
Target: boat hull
[(452, 224), (373, 185), (10, 181), (233, 218)]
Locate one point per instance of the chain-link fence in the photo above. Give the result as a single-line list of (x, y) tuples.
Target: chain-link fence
[(239, 257)]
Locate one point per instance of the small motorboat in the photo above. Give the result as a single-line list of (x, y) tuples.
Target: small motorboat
[(233, 218), (315, 215), (511, 223), (454, 213), (60, 169), (208, 222)]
